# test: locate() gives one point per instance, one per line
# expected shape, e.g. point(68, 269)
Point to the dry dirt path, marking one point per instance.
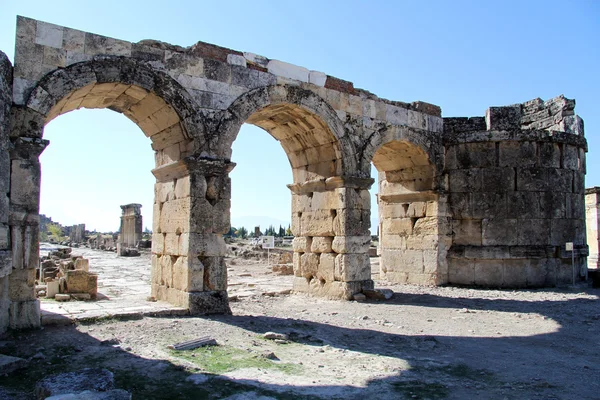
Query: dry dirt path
point(423, 343)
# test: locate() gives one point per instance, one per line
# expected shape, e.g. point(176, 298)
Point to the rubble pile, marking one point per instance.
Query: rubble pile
point(62, 273)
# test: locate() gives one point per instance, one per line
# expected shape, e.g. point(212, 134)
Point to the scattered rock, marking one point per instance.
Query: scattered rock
point(95, 379)
point(359, 297)
point(275, 336)
point(9, 364)
point(62, 297)
point(269, 355)
point(378, 294)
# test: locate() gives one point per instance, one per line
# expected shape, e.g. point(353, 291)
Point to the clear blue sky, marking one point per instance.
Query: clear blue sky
point(461, 55)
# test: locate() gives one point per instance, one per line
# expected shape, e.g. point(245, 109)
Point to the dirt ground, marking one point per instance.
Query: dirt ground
point(423, 343)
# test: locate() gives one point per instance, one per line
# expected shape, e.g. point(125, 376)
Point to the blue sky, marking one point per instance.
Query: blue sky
point(461, 55)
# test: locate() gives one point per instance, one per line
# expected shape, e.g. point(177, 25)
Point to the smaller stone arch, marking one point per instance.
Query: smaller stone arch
point(412, 231)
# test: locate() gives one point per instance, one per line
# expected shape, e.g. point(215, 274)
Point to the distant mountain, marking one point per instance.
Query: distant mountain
point(250, 221)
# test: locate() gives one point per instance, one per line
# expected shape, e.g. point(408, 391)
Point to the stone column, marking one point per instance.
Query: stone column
point(592, 216)
point(191, 213)
point(330, 222)
point(131, 225)
point(24, 231)
point(5, 254)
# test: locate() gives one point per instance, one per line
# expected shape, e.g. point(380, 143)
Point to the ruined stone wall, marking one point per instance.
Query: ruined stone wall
point(191, 102)
point(77, 233)
point(5, 254)
point(516, 196)
point(592, 216)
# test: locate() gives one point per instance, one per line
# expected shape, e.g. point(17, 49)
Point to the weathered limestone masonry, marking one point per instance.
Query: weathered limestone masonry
point(5, 250)
point(130, 232)
point(192, 101)
point(592, 204)
point(77, 233)
point(516, 195)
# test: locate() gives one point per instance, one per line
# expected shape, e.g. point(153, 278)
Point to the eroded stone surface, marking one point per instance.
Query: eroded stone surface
point(484, 200)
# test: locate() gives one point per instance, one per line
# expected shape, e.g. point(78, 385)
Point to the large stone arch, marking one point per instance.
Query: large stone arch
point(413, 230)
point(330, 203)
point(157, 103)
point(165, 113)
point(305, 125)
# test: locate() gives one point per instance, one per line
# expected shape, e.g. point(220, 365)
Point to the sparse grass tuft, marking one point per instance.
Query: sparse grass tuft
point(220, 359)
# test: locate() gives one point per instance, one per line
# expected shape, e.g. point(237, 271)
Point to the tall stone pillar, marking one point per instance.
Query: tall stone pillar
point(131, 225)
point(24, 230)
point(592, 216)
point(5, 252)
point(191, 213)
point(330, 222)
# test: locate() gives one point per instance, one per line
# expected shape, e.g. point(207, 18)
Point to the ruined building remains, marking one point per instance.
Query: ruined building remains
point(130, 232)
point(77, 233)
point(487, 200)
point(592, 203)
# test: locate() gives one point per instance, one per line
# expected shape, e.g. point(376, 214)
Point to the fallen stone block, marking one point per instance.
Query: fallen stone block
point(9, 364)
point(52, 289)
point(283, 269)
point(275, 336)
point(359, 297)
point(379, 294)
point(62, 297)
point(80, 281)
point(81, 296)
point(193, 344)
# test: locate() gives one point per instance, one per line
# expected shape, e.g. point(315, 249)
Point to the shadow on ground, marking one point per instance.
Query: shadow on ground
point(438, 366)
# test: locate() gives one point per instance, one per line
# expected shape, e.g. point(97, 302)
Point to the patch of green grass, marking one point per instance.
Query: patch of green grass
point(417, 389)
point(220, 359)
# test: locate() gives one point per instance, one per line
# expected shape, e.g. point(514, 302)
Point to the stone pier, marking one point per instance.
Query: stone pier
point(130, 232)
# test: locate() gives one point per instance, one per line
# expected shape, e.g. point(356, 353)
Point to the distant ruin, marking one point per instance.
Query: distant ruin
point(487, 200)
point(130, 232)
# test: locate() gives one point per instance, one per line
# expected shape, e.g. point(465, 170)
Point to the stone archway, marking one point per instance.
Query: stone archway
point(161, 108)
point(413, 228)
point(330, 205)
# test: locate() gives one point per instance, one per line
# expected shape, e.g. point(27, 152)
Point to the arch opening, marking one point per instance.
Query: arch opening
point(162, 110)
point(120, 155)
point(409, 219)
point(158, 120)
point(330, 218)
point(312, 149)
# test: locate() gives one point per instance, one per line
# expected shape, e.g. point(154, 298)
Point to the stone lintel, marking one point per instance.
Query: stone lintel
point(592, 190)
point(426, 195)
point(26, 148)
point(331, 183)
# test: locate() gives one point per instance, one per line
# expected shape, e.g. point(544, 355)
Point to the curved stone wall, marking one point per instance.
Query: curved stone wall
point(516, 195)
